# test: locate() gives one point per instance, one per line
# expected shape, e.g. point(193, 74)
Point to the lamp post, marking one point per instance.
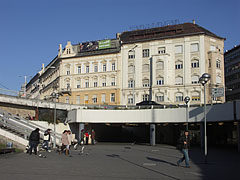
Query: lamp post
point(55, 97)
point(203, 80)
point(133, 90)
point(186, 100)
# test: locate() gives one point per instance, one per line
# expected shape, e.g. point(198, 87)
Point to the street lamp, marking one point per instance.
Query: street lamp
point(133, 90)
point(55, 96)
point(203, 80)
point(186, 100)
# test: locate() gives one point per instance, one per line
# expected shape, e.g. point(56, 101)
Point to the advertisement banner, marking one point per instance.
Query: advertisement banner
point(104, 44)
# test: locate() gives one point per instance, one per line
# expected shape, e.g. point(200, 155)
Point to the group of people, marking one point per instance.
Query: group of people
point(66, 141)
point(86, 136)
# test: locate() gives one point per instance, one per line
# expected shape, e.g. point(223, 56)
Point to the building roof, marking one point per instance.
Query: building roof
point(165, 32)
point(231, 50)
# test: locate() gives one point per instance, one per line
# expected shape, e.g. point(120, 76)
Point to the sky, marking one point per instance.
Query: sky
point(31, 30)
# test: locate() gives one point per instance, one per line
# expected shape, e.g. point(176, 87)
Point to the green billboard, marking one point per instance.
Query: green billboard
point(104, 44)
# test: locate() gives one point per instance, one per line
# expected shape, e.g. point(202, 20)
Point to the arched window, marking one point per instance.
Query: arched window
point(218, 63)
point(131, 54)
point(179, 80)
point(195, 63)
point(145, 82)
point(78, 83)
point(195, 79)
point(179, 97)
point(159, 97)
point(86, 83)
point(179, 65)
point(160, 81)
point(195, 96)
point(113, 83)
point(160, 65)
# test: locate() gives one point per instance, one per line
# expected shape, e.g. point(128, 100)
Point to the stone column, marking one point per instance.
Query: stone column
point(152, 134)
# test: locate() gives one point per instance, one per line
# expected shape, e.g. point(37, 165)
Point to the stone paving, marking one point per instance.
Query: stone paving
point(120, 162)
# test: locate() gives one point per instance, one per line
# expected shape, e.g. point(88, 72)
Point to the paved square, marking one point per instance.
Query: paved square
point(119, 162)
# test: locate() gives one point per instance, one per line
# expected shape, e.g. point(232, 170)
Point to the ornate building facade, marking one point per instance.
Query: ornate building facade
point(117, 71)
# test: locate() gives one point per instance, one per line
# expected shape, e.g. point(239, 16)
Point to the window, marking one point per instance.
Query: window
point(146, 83)
point(131, 84)
point(86, 83)
point(218, 79)
point(77, 99)
point(212, 48)
point(195, 63)
point(195, 79)
point(104, 82)
point(209, 62)
point(87, 69)
point(194, 47)
point(78, 83)
point(145, 52)
point(68, 85)
point(79, 69)
point(94, 98)
point(179, 97)
point(67, 99)
point(159, 97)
point(145, 97)
point(96, 68)
point(104, 68)
point(95, 83)
point(113, 66)
point(131, 69)
point(68, 51)
point(131, 54)
point(160, 81)
point(161, 50)
point(160, 65)
point(113, 81)
point(130, 99)
point(112, 97)
point(179, 65)
point(103, 98)
point(86, 99)
point(68, 70)
point(195, 96)
point(146, 68)
point(218, 63)
point(178, 49)
point(179, 80)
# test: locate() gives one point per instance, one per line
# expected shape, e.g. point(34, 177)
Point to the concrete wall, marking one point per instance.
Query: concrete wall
point(215, 113)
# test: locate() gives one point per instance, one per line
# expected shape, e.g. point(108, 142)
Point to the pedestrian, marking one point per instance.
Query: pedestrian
point(86, 136)
point(46, 139)
point(93, 137)
point(65, 142)
point(82, 136)
point(34, 139)
point(184, 145)
point(69, 135)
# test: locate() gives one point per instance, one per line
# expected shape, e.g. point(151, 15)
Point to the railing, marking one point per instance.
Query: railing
point(21, 127)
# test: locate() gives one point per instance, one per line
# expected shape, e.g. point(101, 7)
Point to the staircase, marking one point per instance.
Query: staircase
point(19, 129)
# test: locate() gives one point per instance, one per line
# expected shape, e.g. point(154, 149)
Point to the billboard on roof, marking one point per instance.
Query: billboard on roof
point(94, 45)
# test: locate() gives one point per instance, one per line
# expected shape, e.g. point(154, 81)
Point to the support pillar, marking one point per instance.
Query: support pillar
point(202, 135)
point(152, 134)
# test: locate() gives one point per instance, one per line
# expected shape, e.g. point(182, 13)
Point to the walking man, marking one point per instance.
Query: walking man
point(34, 141)
point(184, 144)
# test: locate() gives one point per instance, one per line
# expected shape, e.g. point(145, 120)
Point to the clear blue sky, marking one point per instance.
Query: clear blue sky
point(31, 30)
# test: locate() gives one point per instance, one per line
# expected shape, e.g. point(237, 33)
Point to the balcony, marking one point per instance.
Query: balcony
point(65, 91)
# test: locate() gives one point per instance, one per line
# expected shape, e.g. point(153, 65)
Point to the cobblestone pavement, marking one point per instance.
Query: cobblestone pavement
point(120, 162)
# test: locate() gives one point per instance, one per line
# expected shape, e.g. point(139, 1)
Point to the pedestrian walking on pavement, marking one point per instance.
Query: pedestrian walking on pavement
point(34, 139)
point(65, 143)
point(93, 137)
point(184, 145)
point(87, 137)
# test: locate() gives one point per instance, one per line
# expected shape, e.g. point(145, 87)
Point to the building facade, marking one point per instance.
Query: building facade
point(232, 73)
point(117, 71)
